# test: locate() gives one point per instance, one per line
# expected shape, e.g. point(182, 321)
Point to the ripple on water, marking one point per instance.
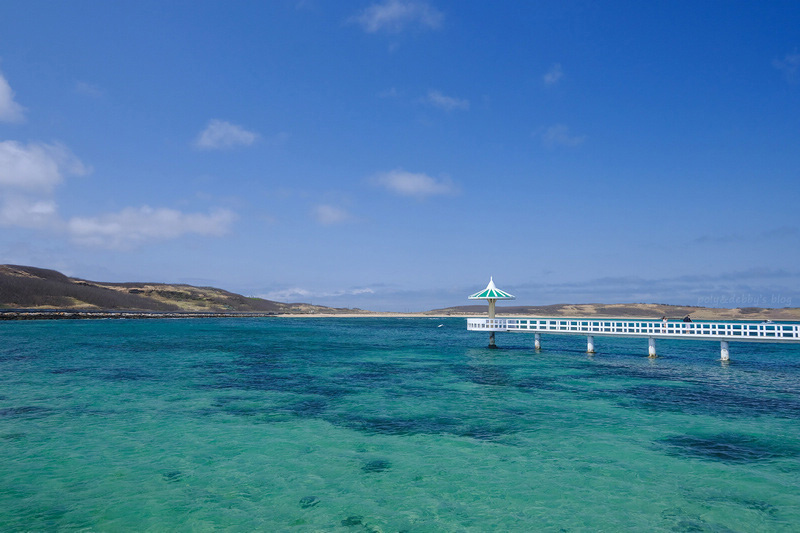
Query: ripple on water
point(307, 502)
point(485, 374)
point(26, 412)
point(700, 399)
point(478, 429)
point(376, 465)
point(728, 448)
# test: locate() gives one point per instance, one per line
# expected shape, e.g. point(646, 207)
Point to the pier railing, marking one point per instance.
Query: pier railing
point(724, 331)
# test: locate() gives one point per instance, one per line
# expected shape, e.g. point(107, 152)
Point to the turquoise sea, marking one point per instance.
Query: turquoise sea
point(371, 424)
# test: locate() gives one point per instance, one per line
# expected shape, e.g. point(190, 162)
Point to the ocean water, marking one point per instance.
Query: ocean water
point(370, 424)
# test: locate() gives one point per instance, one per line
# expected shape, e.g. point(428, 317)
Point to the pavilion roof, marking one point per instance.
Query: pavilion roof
point(492, 293)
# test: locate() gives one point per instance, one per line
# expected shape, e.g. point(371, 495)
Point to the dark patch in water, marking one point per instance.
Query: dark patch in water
point(66, 370)
point(635, 372)
point(308, 408)
point(700, 399)
point(379, 369)
point(308, 501)
point(399, 426)
point(243, 410)
point(13, 436)
point(354, 520)
point(172, 476)
point(485, 432)
point(127, 374)
point(331, 379)
point(376, 465)
point(249, 406)
point(257, 379)
point(760, 506)
point(371, 374)
point(494, 375)
point(728, 448)
point(683, 522)
point(26, 411)
point(51, 519)
point(432, 425)
point(537, 382)
point(16, 355)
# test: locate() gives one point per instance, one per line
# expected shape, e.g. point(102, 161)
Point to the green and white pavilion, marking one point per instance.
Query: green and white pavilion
point(492, 294)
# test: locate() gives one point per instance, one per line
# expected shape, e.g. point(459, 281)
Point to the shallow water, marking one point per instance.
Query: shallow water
point(367, 424)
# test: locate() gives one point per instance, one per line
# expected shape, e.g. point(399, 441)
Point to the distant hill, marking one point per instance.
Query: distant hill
point(673, 312)
point(25, 287)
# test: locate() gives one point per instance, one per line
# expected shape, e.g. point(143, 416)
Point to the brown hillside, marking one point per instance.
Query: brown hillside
point(24, 287)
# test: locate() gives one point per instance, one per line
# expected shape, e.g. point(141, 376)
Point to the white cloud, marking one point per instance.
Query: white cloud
point(559, 135)
point(414, 184)
point(10, 111)
point(87, 89)
point(389, 93)
point(789, 65)
point(286, 295)
point(25, 211)
point(298, 294)
point(133, 226)
point(553, 75)
point(220, 134)
point(448, 103)
point(36, 167)
point(393, 16)
point(328, 214)
point(28, 176)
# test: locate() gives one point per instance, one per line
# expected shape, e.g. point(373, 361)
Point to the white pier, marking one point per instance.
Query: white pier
point(724, 332)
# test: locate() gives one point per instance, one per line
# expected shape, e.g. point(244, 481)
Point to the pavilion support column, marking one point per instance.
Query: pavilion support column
point(492, 301)
point(537, 341)
point(724, 352)
point(590, 344)
point(651, 347)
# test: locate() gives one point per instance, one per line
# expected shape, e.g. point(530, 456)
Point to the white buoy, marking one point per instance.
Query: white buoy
point(590, 344)
point(537, 341)
point(651, 347)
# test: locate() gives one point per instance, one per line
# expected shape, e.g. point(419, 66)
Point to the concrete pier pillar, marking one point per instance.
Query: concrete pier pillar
point(724, 352)
point(590, 344)
point(491, 340)
point(537, 341)
point(651, 347)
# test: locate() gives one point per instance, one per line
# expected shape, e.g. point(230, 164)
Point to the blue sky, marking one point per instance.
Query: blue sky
point(393, 154)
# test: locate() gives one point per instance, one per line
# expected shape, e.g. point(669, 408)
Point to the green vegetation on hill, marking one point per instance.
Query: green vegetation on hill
point(24, 287)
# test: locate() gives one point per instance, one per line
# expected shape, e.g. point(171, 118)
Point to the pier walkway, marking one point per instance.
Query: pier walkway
point(724, 332)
